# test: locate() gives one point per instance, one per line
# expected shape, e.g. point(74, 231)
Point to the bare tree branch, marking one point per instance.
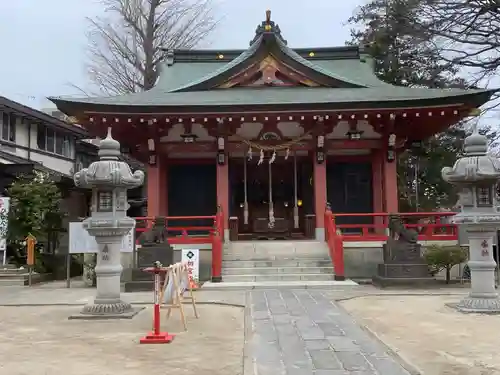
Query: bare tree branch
point(467, 32)
point(128, 43)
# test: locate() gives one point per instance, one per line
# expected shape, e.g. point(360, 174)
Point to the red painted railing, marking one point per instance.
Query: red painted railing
point(192, 235)
point(178, 234)
point(430, 226)
point(335, 245)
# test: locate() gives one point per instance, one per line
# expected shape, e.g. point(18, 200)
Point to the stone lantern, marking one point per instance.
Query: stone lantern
point(109, 178)
point(476, 175)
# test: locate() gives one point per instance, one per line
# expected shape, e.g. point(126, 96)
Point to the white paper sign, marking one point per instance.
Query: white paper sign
point(80, 241)
point(4, 211)
point(192, 258)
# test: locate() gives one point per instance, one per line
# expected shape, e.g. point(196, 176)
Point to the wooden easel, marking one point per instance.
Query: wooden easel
point(189, 288)
point(173, 275)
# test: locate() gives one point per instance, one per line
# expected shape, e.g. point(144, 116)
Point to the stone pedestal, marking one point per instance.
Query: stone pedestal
point(483, 297)
point(403, 266)
point(146, 256)
point(108, 303)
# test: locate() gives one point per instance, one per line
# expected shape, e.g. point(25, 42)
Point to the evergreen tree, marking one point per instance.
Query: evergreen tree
point(405, 56)
point(34, 209)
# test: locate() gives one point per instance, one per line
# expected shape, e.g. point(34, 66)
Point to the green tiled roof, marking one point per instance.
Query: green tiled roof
point(330, 73)
point(182, 73)
point(240, 59)
point(274, 95)
point(188, 79)
point(265, 42)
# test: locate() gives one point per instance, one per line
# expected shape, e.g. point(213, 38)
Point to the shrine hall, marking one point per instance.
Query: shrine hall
point(270, 134)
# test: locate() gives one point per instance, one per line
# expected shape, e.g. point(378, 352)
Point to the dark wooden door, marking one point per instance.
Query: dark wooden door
point(349, 190)
point(192, 191)
point(258, 190)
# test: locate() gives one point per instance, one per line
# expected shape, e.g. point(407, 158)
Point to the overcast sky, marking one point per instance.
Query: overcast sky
point(43, 42)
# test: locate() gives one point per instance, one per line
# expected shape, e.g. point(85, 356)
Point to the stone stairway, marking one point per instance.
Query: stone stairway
point(276, 261)
point(11, 275)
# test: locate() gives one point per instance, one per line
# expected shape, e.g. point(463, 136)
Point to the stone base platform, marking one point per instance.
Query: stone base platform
point(138, 286)
point(403, 274)
point(107, 316)
point(140, 281)
point(249, 285)
point(415, 282)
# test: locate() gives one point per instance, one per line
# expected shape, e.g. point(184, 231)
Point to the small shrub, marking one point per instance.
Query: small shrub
point(444, 258)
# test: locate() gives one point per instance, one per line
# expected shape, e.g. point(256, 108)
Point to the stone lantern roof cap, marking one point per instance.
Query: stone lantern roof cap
point(109, 171)
point(476, 166)
point(109, 148)
point(476, 144)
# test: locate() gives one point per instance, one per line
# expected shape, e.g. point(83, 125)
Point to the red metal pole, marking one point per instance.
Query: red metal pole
point(156, 313)
point(156, 337)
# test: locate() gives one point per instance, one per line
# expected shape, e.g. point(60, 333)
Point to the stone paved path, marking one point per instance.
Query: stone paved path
point(302, 332)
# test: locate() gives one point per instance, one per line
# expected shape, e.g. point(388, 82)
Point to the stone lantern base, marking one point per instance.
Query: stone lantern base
point(478, 305)
point(104, 311)
point(483, 297)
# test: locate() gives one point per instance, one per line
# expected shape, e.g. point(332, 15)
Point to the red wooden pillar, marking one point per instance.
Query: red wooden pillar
point(319, 178)
point(157, 188)
point(223, 194)
point(390, 184)
point(378, 188)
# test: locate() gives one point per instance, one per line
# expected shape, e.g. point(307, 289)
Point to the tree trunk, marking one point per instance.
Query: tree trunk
point(448, 269)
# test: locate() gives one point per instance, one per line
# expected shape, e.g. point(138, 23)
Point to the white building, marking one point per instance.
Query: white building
point(32, 137)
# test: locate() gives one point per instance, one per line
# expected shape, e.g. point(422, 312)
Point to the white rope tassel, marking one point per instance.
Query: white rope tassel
point(296, 199)
point(245, 190)
point(271, 206)
point(249, 153)
point(273, 157)
point(287, 153)
point(261, 158)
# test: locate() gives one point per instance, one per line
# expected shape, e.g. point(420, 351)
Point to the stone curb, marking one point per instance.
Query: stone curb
point(392, 351)
point(396, 354)
point(132, 303)
point(411, 294)
point(248, 363)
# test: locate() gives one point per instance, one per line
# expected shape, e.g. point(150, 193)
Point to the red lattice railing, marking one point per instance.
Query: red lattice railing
point(430, 226)
point(212, 232)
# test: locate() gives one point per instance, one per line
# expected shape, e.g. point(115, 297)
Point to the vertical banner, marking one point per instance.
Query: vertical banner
point(4, 213)
point(192, 258)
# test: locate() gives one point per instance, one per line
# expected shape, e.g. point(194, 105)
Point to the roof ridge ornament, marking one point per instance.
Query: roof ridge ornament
point(268, 27)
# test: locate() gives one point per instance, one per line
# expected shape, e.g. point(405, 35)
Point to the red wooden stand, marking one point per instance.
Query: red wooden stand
point(157, 337)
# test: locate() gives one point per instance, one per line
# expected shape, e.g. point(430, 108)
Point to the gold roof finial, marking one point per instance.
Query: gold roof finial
point(268, 16)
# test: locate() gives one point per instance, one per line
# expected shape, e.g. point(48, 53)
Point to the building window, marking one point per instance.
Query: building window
point(51, 141)
point(8, 128)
